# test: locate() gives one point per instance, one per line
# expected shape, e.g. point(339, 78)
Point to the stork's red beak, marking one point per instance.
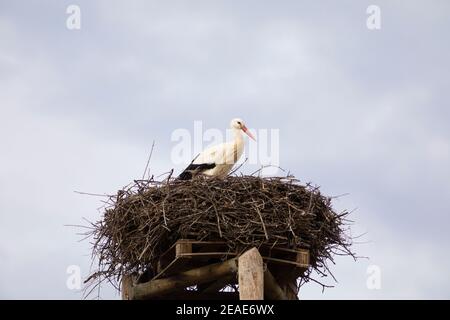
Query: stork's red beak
point(244, 128)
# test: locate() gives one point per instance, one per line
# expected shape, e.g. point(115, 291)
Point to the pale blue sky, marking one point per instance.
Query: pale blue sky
point(359, 111)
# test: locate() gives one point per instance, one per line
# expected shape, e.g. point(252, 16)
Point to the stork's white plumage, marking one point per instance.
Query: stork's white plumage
point(219, 160)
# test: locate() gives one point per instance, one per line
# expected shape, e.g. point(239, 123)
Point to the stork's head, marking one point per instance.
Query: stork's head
point(239, 124)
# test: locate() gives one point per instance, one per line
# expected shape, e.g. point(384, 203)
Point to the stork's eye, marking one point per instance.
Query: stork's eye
point(239, 122)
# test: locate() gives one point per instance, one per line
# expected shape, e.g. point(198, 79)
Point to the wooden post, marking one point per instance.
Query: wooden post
point(272, 290)
point(127, 283)
point(251, 275)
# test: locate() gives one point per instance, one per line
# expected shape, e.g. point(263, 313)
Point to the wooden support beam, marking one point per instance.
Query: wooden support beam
point(303, 258)
point(127, 283)
point(184, 279)
point(183, 247)
point(272, 290)
point(251, 275)
point(291, 290)
point(172, 267)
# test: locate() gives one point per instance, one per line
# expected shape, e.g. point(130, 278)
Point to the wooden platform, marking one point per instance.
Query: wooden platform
point(211, 266)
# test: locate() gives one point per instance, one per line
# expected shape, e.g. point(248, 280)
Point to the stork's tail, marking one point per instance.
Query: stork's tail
point(194, 169)
point(185, 175)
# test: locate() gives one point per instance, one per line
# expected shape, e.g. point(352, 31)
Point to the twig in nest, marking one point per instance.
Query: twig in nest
point(148, 161)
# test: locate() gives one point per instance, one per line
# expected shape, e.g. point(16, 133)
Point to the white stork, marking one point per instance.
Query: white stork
point(219, 160)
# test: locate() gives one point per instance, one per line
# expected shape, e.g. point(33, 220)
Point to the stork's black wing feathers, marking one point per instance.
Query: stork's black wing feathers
point(194, 169)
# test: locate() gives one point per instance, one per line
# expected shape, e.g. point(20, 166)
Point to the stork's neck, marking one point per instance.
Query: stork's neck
point(238, 138)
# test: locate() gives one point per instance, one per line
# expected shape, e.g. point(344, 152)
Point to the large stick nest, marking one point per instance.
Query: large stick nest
point(146, 218)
